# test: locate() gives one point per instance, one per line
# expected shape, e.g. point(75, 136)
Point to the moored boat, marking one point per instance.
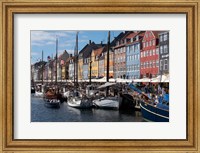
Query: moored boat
point(51, 100)
point(108, 101)
point(153, 108)
point(155, 112)
point(77, 100)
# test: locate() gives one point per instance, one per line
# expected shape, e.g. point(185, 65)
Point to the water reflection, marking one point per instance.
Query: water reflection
point(40, 113)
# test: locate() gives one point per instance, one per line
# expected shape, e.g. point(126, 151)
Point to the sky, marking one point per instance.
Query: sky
point(46, 41)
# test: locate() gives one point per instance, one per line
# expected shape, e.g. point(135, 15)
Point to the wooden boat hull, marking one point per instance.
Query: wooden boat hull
point(152, 113)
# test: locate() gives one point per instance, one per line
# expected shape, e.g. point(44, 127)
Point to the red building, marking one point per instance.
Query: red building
point(149, 56)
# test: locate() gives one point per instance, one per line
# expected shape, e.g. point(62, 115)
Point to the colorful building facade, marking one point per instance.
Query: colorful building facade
point(149, 56)
point(164, 52)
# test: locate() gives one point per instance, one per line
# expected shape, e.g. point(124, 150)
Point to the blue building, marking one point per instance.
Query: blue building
point(133, 46)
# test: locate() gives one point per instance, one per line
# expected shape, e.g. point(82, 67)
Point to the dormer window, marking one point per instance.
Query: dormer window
point(137, 38)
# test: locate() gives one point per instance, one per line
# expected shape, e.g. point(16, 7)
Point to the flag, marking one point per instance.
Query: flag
point(48, 58)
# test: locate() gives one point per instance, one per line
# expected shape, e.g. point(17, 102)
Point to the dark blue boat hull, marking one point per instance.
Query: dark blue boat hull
point(152, 113)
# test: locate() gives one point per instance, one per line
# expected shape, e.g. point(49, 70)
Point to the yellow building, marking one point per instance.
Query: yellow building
point(95, 62)
point(80, 66)
point(110, 64)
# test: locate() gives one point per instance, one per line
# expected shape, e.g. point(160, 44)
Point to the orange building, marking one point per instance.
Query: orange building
point(95, 62)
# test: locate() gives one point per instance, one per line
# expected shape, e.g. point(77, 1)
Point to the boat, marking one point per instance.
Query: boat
point(75, 98)
point(155, 112)
point(51, 100)
point(78, 101)
point(108, 101)
point(153, 109)
point(39, 91)
point(91, 91)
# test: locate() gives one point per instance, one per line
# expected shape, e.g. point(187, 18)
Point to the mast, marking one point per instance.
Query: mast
point(108, 48)
point(76, 62)
point(56, 57)
point(107, 74)
point(77, 58)
point(42, 69)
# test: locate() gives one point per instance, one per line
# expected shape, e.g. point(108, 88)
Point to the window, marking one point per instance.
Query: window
point(147, 53)
point(157, 51)
point(153, 42)
point(161, 65)
point(150, 52)
point(141, 54)
point(138, 56)
point(157, 63)
point(143, 44)
point(138, 46)
point(161, 38)
point(165, 37)
point(149, 43)
point(166, 64)
point(131, 48)
point(144, 54)
point(141, 65)
point(153, 51)
point(127, 49)
point(144, 64)
point(165, 49)
point(154, 63)
point(150, 64)
point(161, 49)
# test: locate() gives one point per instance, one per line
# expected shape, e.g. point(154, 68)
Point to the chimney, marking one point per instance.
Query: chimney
point(70, 55)
point(89, 42)
point(101, 43)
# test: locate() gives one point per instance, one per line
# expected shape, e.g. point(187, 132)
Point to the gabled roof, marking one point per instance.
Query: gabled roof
point(98, 51)
point(87, 50)
point(63, 56)
point(132, 35)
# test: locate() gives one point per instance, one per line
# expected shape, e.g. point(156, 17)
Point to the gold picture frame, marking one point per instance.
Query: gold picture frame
point(10, 7)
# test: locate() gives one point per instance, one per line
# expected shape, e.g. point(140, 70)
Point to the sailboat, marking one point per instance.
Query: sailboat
point(75, 98)
point(51, 98)
point(108, 101)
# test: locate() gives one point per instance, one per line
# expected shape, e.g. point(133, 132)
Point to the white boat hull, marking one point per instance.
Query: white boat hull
point(108, 102)
point(79, 103)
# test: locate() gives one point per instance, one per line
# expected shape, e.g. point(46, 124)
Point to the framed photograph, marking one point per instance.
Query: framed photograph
point(99, 76)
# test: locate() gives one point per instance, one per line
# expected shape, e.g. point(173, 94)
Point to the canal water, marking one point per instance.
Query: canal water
point(40, 113)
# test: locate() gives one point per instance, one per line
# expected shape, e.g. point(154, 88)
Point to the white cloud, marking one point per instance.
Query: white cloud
point(42, 38)
point(34, 53)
